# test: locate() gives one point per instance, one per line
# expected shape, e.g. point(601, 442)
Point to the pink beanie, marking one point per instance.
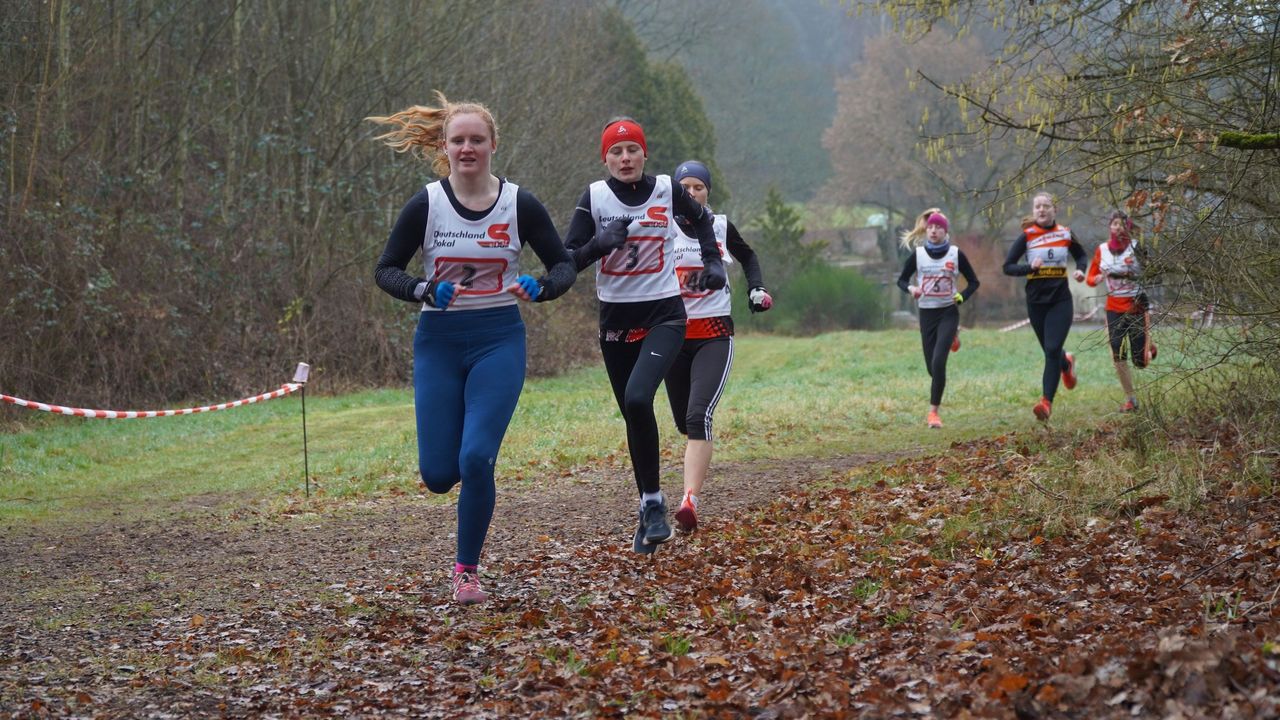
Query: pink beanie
point(938, 219)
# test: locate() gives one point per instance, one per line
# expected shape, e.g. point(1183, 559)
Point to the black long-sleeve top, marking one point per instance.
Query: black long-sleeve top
point(582, 229)
point(532, 222)
point(1043, 291)
point(966, 269)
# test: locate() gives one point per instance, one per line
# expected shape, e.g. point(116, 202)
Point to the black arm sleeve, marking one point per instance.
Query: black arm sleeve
point(743, 253)
point(582, 230)
point(539, 232)
point(1077, 252)
point(404, 242)
point(970, 277)
point(908, 269)
point(683, 204)
point(1016, 251)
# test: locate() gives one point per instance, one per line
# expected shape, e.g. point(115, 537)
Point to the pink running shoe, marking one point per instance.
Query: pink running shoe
point(687, 515)
point(466, 589)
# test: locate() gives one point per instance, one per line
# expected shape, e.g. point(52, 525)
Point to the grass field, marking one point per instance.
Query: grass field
point(834, 394)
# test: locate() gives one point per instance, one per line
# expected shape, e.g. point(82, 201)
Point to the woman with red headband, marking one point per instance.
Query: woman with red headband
point(625, 225)
point(1128, 318)
point(936, 263)
point(701, 370)
point(1048, 248)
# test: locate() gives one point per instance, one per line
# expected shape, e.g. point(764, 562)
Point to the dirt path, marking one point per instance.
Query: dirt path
point(71, 591)
point(891, 597)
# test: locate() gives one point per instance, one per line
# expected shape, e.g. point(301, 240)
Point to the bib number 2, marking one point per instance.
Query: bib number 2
point(473, 276)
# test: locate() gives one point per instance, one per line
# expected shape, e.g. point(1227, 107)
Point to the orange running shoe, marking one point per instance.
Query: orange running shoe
point(1042, 409)
point(934, 421)
point(1069, 372)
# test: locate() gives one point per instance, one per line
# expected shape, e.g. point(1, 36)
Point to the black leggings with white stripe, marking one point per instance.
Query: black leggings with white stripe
point(695, 383)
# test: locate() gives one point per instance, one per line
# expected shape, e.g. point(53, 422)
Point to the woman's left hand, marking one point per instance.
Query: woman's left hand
point(526, 288)
point(1078, 275)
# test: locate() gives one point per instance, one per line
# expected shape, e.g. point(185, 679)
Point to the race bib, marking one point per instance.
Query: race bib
point(641, 255)
point(472, 276)
point(938, 285)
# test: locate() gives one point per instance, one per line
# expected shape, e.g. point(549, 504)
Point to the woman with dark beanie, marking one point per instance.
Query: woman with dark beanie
point(936, 263)
point(701, 370)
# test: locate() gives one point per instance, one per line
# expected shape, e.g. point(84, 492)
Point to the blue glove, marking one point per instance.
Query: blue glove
point(713, 276)
point(529, 286)
point(440, 293)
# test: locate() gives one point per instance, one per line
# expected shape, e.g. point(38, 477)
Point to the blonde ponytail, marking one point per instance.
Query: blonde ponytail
point(912, 237)
point(420, 129)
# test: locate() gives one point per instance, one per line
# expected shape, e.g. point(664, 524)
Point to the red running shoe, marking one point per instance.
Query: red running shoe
point(955, 342)
point(1069, 372)
point(1129, 406)
point(687, 515)
point(934, 420)
point(1042, 409)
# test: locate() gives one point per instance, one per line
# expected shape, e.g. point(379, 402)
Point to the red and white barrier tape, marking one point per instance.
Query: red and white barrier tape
point(285, 389)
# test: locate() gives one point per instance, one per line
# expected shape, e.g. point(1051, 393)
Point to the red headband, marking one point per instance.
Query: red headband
point(621, 131)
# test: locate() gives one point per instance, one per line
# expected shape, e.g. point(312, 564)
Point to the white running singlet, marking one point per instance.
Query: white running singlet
point(687, 254)
point(642, 268)
point(1125, 262)
point(937, 277)
point(477, 256)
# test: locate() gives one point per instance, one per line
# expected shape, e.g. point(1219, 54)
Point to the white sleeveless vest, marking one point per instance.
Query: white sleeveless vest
point(1053, 247)
point(1125, 262)
point(477, 256)
point(687, 256)
point(642, 268)
point(937, 277)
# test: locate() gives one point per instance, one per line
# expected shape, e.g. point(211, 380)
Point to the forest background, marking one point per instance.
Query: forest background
point(193, 201)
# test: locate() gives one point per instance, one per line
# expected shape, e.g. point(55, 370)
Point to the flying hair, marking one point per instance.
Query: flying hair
point(912, 237)
point(420, 129)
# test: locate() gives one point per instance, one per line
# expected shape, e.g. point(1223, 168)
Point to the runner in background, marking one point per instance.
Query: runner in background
point(701, 369)
point(936, 263)
point(469, 348)
point(1048, 248)
point(625, 225)
point(1116, 263)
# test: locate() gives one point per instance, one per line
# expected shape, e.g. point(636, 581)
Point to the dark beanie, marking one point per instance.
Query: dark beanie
point(693, 169)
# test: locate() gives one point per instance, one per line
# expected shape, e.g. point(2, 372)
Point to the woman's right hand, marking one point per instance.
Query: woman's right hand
point(915, 291)
point(1036, 263)
point(613, 236)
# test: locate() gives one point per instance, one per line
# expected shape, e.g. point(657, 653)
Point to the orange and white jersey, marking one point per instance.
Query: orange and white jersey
point(937, 277)
point(1124, 263)
point(477, 256)
point(687, 255)
point(642, 269)
point(1051, 245)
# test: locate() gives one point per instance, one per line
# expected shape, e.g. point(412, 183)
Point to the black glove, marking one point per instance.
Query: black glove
point(712, 276)
point(612, 237)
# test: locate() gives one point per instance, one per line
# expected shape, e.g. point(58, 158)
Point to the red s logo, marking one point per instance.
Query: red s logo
point(499, 232)
point(658, 213)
